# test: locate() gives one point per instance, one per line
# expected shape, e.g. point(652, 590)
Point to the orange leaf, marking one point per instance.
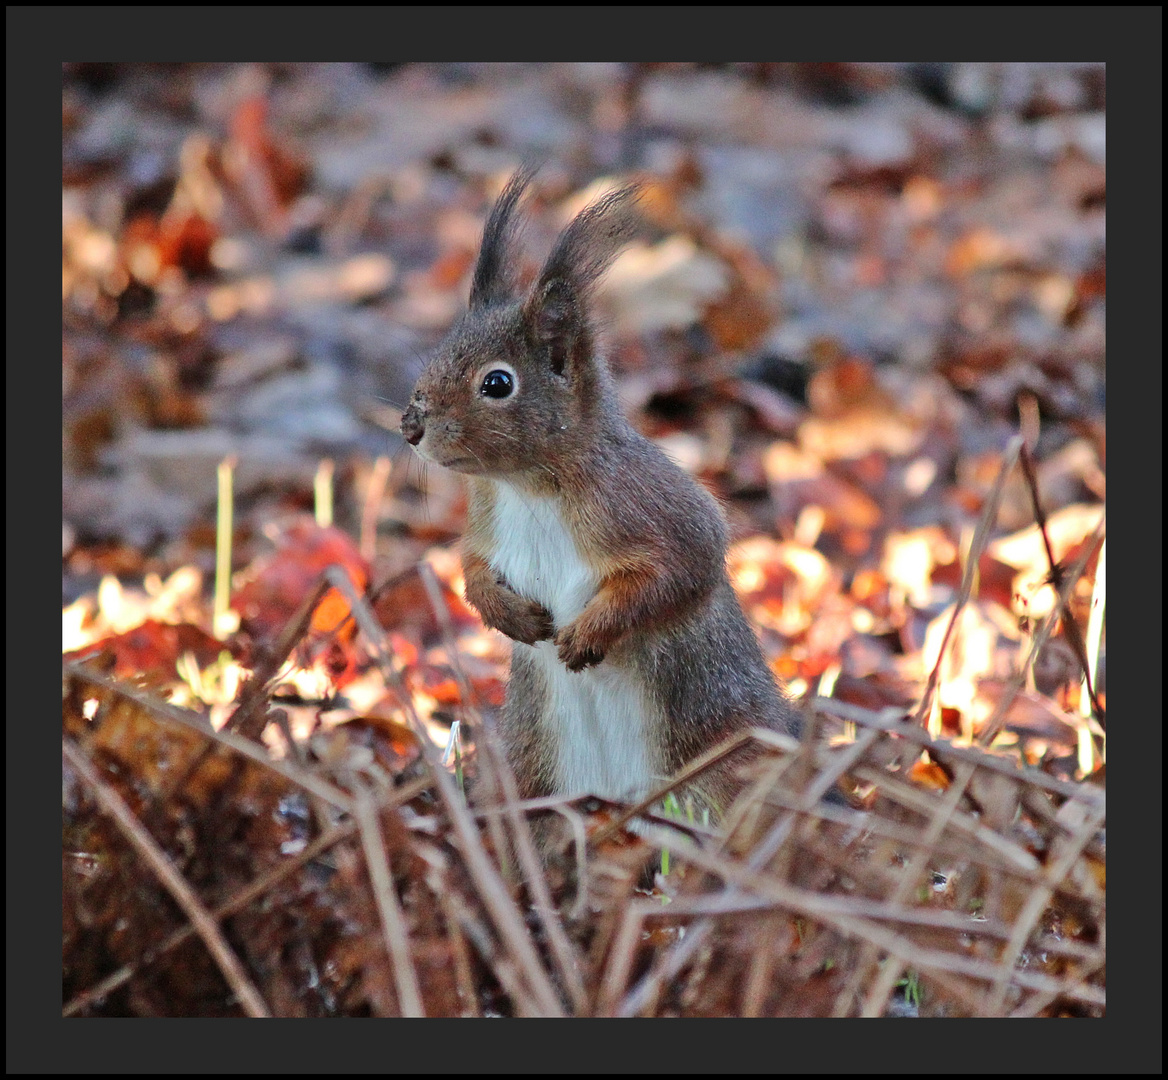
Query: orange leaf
point(929, 775)
point(153, 648)
point(304, 552)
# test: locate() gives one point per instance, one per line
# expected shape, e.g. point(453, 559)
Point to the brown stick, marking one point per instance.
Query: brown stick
point(1036, 903)
point(699, 765)
point(565, 957)
point(881, 990)
point(885, 719)
point(242, 719)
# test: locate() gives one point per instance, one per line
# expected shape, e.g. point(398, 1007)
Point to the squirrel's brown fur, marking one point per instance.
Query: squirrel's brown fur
point(600, 558)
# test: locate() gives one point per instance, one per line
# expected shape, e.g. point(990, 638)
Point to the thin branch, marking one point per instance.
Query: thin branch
point(877, 998)
point(464, 978)
point(1042, 998)
point(499, 961)
point(466, 696)
point(885, 719)
point(823, 908)
point(1037, 901)
point(564, 955)
point(682, 776)
point(243, 718)
point(620, 961)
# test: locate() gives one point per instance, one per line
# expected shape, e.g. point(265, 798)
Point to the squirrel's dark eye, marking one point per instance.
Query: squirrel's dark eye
point(498, 384)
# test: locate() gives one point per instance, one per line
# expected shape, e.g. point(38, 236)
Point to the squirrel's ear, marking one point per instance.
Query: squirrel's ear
point(494, 271)
point(557, 308)
point(558, 321)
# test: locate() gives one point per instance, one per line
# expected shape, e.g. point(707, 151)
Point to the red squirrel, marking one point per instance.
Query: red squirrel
point(585, 544)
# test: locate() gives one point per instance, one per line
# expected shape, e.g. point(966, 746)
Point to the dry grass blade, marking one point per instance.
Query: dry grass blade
point(758, 976)
point(977, 546)
point(694, 768)
point(174, 883)
point(620, 963)
point(859, 906)
point(995, 849)
point(835, 912)
point(499, 962)
point(446, 628)
point(761, 854)
point(881, 991)
point(670, 964)
point(885, 721)
point(249, 717)
point(563, 954)
point(244, 719)
point(1039, 1000)
point(783, 802)
point(466, 696)
point(462, 969)
point(506, 917)
point(392, 924)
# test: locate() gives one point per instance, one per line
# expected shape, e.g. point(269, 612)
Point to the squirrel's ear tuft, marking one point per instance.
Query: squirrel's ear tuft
point(592, 239)
point(557, 308)
point(494, 272)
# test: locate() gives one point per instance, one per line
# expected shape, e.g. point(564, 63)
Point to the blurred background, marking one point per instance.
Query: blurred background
point(853, 285)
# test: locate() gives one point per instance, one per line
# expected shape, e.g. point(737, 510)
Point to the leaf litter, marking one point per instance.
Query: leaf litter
point(308, 816)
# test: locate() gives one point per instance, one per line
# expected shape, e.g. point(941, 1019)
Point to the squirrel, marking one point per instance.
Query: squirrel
point(600, 558)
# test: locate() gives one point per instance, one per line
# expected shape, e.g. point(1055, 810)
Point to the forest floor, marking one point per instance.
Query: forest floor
point(866, 309)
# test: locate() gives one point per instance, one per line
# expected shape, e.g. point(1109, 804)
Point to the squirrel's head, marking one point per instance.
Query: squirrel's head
point(517, 384)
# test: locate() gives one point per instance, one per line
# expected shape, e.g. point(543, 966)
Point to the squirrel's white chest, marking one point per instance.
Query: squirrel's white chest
point(537, 555)
point(600, 719)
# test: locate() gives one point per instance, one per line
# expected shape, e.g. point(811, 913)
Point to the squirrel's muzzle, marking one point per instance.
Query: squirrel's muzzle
point(412, 427)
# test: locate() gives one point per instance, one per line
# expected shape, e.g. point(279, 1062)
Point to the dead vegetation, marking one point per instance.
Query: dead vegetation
point(351, 879)
point(868, 312)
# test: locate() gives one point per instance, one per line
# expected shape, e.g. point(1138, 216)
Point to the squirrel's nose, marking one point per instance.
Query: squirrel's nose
point(412, 428)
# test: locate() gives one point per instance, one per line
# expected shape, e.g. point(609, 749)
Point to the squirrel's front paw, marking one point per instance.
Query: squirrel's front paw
point(527, 621)
point(576, 650)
